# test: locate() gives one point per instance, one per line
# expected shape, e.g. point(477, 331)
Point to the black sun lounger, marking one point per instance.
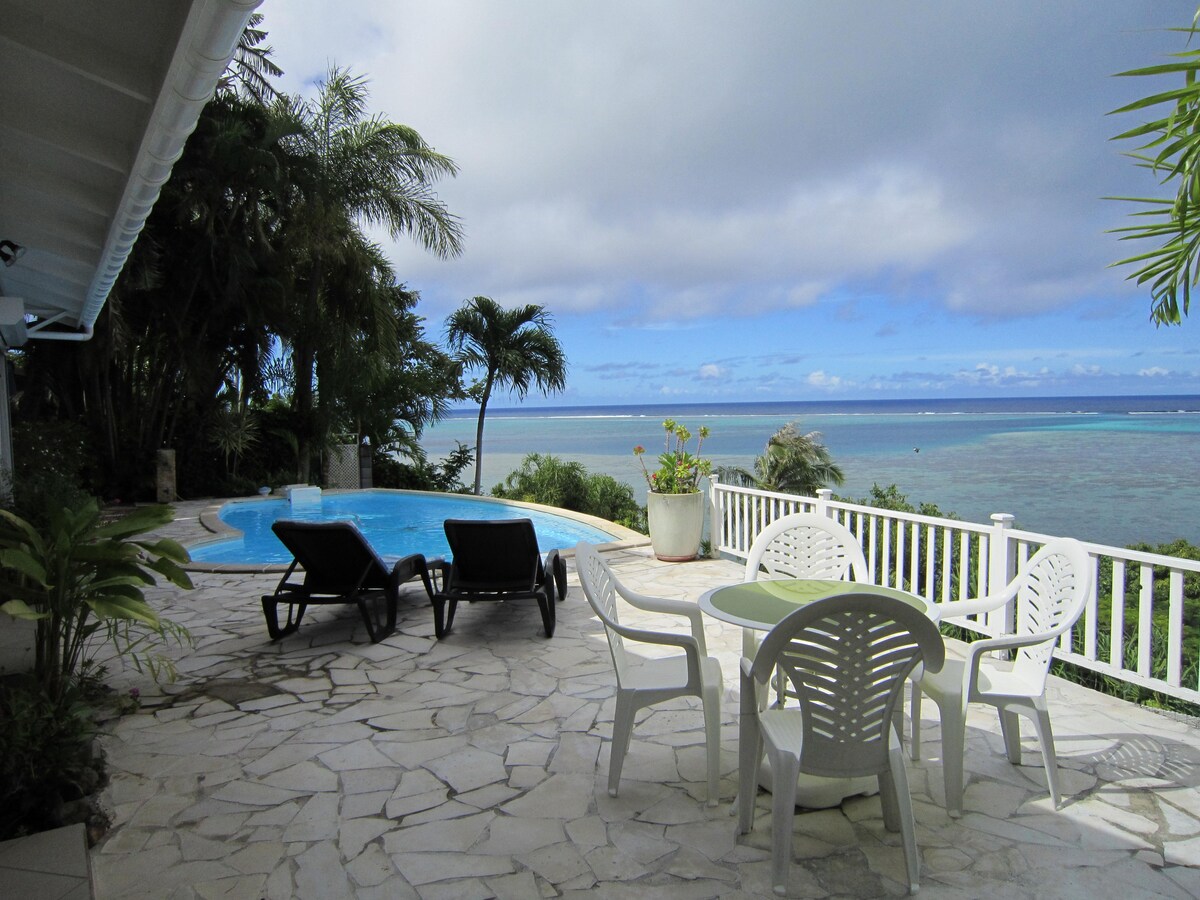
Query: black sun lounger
point(496, 560)
point(339, 567)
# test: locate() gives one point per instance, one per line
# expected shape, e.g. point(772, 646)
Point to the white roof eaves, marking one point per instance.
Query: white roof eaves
point(206, 45)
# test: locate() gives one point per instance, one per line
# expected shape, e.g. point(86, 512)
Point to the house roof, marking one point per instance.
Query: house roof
point(98, 100)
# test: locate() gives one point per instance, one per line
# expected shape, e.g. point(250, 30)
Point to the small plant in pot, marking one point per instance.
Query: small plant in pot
point(675, 504)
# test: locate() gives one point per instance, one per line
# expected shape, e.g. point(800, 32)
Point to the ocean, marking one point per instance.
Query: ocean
point(1115, 470)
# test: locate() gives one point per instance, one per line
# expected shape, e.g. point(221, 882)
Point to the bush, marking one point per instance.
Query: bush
point(420, 474)
point(46, 756)
point(568, 485)
point(52, 468)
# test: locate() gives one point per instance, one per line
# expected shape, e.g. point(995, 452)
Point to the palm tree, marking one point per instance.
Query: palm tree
point(792, 463)
point(350, 169)
point(516, 348)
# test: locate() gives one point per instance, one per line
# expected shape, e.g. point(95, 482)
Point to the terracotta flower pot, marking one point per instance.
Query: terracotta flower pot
point(676, 522)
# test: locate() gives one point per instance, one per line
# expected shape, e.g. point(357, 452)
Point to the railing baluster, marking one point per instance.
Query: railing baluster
point(1175, 629)
point(1145, 624)
point(1116, 628)
point(1092, 614)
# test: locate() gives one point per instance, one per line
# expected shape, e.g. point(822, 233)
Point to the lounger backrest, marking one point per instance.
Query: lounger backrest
point(493, 556)
point(334, 555)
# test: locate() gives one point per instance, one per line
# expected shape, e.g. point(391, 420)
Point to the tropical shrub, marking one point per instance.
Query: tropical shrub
point(80, 579)
point(791, 463)
point(567, 484)
point(419, 474)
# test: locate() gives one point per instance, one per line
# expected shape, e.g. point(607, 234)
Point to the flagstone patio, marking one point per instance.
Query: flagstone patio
point(325, 767)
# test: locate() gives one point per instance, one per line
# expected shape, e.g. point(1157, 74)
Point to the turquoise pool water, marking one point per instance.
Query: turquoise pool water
point(395, 524)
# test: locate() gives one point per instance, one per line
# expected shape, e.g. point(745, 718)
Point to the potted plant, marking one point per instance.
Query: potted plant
point(675, 504)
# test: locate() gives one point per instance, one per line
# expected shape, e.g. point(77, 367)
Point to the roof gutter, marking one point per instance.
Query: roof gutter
point(209, 39)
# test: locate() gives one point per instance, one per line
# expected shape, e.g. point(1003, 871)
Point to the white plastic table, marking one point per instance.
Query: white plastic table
point(759, 606)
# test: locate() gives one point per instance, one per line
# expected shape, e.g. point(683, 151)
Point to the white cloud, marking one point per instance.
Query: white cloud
point(713, 371)
point(792, 167)
point(1153, 372)
point(823, 380)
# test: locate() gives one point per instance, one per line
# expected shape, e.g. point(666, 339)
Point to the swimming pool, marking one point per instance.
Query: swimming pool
point(396, 523)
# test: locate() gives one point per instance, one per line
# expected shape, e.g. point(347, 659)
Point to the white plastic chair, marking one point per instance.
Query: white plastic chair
point(847, 658)
point(803, 545)
point(1050, 593)
point(806, 545)
point(643, 682)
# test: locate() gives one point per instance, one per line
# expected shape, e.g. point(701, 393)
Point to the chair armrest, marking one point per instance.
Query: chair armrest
point(646, 636)
point(692, 648)
point(976, 649)
point(687, 610)
point(986, 603)
point(413, 566)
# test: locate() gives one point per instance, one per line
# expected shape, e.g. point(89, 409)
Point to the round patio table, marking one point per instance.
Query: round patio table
point(759, 606)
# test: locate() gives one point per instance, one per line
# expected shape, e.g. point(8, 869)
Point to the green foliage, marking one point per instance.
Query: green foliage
point(53, 464)
point(235, 432)
point(1171, 151)
point(81, 578)
point(679, 471)
point(46, 755)
point(350, 170)
point(419, 474)
point(566, 484)
point(792, 463)
point(253, 273)
point(890, 498)
point(515, 348)
point(1161, 608)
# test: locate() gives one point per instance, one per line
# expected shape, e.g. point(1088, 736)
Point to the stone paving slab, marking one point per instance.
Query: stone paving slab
point(322, 766)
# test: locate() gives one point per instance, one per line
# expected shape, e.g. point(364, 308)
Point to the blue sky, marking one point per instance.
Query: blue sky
point(725, 201)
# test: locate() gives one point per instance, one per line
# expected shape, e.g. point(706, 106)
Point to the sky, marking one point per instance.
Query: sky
point(751, 201)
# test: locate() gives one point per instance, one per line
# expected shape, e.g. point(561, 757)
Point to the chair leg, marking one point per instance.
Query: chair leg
point(896, 784)
point(558, 568)
point(914, 707)
point(545, 602)
point(441, 626)
point(1010, 730)
point(711, 700)
point(622, 731)
point(377, 630)
point(953, 712)
point(295, 613)
point(750, 751)
point(1041, 722)
point(785, 768)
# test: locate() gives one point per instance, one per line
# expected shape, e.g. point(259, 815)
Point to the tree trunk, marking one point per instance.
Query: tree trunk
point(483, 402)
point(303, 365)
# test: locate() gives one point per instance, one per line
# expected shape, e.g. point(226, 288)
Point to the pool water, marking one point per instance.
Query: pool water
point(396, 524)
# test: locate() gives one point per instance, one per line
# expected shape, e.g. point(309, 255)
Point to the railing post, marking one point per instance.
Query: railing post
point(824, 495)
point(716, 526)
point(1001, 569)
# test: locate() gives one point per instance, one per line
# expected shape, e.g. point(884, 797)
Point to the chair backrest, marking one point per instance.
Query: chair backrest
point(1052, 589)
point(600, 586)
point(335, 556)
point(806, 545)
point(847, 658)
point(495, 555)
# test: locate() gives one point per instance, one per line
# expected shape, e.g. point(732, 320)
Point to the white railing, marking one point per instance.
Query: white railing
point(946, 559)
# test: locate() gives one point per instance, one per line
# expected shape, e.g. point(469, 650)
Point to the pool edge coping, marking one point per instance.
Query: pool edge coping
point(210, 519)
